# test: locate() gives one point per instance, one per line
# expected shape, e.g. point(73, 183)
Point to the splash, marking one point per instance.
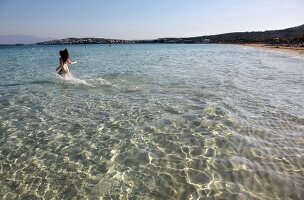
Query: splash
point(69, 78)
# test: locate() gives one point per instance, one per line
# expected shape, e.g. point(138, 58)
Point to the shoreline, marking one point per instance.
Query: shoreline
point(295, 51)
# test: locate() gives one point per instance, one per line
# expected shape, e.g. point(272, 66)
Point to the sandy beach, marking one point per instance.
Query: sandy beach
point(296, 51)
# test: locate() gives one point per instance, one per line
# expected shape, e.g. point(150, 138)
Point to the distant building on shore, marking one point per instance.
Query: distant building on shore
point(206, 41)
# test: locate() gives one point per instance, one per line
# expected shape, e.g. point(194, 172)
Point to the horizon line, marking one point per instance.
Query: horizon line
point(55, 38)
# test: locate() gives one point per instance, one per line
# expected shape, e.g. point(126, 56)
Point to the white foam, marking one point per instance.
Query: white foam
point(102, 81)
point(69, 78)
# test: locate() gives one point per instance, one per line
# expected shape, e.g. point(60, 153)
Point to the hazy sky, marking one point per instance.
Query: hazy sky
point(145, 19)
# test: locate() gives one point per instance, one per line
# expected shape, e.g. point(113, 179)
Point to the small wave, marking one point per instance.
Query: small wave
point(38, 82)
point(101, 81)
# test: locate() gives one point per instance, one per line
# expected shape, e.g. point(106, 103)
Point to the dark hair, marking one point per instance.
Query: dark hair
point(64, 55)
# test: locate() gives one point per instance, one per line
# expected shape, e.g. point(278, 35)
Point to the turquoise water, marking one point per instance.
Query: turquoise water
point(151, 122)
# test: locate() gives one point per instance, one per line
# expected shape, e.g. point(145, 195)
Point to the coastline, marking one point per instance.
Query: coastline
point(295, 51)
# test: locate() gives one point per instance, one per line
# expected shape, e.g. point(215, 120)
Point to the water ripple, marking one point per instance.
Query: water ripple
point(153, 122)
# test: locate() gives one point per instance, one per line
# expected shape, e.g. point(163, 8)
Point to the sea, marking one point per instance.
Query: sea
point(151, 121)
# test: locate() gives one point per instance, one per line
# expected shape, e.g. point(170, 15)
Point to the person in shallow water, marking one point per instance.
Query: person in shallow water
point(64, 60)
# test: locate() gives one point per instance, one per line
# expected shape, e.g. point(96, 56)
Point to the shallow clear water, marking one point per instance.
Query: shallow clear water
point(151, 122)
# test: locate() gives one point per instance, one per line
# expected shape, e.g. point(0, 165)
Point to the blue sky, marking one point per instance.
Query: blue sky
point(145, 19)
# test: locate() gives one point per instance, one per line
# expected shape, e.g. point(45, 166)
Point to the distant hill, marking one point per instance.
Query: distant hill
point(289, 37)
point(84, 41)
point(22, 39)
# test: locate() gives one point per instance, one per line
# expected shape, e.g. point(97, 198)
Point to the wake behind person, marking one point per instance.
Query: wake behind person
point(64, 60)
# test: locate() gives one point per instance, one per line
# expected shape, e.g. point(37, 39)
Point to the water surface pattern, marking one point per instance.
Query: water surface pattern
point(151, 122)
